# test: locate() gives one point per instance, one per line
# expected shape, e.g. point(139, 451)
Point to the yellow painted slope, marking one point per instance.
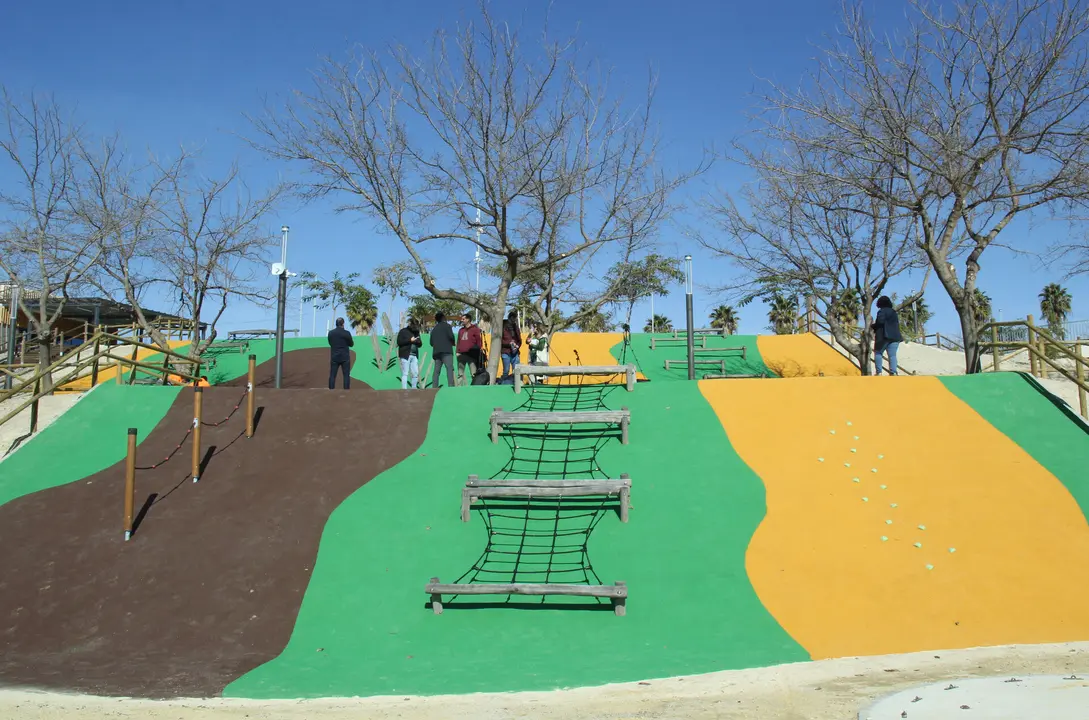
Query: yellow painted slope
point(586, 349)
point(110, 374)
point(802, 356)
point(1008, 545)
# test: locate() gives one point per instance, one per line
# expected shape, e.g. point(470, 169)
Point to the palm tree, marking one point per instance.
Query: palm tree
point(724, 318)
point(782, 312)
point(361, 309)
point(658, 323)
point(1055, 303)
point(846, 309)
point(981, 307)
point(594, 322)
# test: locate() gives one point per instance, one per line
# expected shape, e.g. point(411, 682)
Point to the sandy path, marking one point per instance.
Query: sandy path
point(50, 408)
point(825, 690)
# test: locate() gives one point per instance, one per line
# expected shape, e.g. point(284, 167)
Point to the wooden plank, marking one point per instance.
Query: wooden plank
point(525, 492)
point(699, 341)
point(705, 351)
point(726, 376)
point(473, 482)
point(697, 362)
point(618, 590)
point(567, 417)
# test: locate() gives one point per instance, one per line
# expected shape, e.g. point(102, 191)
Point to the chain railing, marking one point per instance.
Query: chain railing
point(1006, 340)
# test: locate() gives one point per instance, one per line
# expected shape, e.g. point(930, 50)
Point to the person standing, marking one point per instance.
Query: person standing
point(408, 350)
point(887, 337)
point(510, 345)
point(470, 344)
point(538, 349)
point(442, 350)
point(340, 358)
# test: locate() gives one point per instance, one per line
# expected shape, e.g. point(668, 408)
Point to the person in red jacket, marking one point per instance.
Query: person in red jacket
point(470, 346)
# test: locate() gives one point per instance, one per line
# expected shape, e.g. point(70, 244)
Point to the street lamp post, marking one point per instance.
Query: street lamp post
point(688, 316)
point(280, 269)
point(12, 330)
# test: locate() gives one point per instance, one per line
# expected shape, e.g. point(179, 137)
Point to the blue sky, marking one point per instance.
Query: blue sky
point(172, 73)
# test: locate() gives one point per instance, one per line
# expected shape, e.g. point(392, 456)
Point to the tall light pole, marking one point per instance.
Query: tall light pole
point(280, 269)
point(476, 261)
point(688, 316)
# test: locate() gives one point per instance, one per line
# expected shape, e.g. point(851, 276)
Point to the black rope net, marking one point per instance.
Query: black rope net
point(544, 539)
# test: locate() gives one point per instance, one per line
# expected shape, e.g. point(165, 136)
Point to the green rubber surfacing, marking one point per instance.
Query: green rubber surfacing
point(365, 626)
point(86, 439)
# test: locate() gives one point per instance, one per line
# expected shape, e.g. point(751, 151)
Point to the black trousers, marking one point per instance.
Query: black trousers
point(343, 366)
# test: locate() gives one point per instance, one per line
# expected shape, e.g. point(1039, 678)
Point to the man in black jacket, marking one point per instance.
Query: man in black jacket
point(408, 350)
point(442, 349)
point(340, 357)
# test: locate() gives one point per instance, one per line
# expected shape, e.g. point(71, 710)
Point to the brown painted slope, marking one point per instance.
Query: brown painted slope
point(307, 368)
point(210, 585)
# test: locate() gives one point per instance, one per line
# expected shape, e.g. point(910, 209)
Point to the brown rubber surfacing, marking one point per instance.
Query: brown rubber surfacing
point(211, 583)
point(307, 368)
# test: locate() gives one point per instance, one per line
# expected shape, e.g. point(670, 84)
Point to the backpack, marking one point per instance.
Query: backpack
point(481, 378)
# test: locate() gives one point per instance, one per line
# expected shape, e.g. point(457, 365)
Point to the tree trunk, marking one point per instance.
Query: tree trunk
point(496, 338)
point(45, 358)
point(970, 334)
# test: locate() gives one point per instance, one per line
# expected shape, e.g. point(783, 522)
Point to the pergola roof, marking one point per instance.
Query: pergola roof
point(110, 312)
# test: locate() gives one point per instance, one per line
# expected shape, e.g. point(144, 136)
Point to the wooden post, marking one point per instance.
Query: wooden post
point(994, 349)
point(34, 407)
point(1080, 373)
point(625, 497)
point(517, 383)
point(94, 362)
point(620, 603)
point(630, 373)
point(495, 427)
point(250, 400)
point(436, 599)
point(130, 483)
point(1032, 346)
point(198, 405)
point(624, 428)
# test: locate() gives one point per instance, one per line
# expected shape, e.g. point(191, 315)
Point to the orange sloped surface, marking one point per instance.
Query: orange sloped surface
point(110, 373)
point(898, 520)
point(803, 355)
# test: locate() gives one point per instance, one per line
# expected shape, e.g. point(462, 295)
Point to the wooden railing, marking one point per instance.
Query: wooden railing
point(811, 323)
point(1004, 342)
point(71, 366)
point(942, 342)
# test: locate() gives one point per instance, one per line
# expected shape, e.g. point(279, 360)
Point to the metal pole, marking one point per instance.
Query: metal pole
point(198, 412)
point(251, 389)
point(12, 331)
point(688, 316)
point(476, 261)
point(281, 308)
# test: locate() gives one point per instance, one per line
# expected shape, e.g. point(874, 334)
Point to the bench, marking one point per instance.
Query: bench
point(697, 341)
point(697, 363)
point(559, 370)
point(476, 488)
point(619, 417)
point(242, 346)
point(742, 349)
point(618, 592)
point(700, 331)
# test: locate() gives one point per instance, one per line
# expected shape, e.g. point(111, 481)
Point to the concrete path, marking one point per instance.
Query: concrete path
point(1055, 697)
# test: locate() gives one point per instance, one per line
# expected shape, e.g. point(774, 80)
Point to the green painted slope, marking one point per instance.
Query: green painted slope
point(364, 627)
point(652, 362)
point(1012, 404)
point(89, 437)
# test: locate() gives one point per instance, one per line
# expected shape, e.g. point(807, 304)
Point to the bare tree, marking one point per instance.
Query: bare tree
point(120, 202)
point(980, 109)
point(43, 247)
point(813, 237)
point(563, 177)
point(211, 245)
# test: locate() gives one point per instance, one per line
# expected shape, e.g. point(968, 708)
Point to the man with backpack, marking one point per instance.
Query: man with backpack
point(470, 347)
point(408, 350)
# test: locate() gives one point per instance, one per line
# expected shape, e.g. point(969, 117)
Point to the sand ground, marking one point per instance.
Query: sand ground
point(825, 690)
point(49, 409)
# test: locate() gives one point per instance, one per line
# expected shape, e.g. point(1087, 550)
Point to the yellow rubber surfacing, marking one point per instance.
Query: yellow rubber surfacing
point(860, 470)
point(803, 355)
point(586, 349)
